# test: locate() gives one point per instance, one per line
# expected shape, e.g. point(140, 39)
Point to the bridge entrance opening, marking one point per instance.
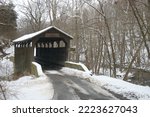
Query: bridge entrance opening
point(51, 53)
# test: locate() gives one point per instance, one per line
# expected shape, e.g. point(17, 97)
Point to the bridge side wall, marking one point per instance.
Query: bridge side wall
point(23, 59)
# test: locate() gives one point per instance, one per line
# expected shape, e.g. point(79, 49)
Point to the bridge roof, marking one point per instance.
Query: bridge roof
point(32, 35)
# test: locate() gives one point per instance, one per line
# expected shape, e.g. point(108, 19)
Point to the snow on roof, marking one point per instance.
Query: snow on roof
point(29, 36)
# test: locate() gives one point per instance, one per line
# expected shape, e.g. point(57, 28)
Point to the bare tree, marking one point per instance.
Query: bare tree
point(141, 24)
point(2, 92)
point(34, 12)
point(52, 10)
point(103, 14)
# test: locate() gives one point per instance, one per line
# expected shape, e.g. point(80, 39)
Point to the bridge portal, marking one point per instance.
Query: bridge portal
point(49, 47)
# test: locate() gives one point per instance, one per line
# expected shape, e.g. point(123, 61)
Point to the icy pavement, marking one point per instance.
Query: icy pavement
point(73, 88)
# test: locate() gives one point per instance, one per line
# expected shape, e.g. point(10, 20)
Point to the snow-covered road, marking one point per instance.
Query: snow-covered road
point(74, 88)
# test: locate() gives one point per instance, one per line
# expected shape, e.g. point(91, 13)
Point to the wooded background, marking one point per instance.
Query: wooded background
point(108, 34)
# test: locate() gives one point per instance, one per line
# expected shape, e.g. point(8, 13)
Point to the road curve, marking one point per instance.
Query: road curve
point(74, 88)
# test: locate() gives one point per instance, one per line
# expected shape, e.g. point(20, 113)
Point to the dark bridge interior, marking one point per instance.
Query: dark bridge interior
point(51, 52)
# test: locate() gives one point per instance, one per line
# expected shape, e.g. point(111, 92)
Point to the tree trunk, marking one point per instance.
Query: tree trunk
point(138, 18)
point(133, 59)
point(112, 48)
point(109, 57)
point(3, 93)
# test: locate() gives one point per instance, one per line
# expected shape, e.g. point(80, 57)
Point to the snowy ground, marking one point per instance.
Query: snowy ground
point(29, 87)
point(128, 90)
point(6, 68)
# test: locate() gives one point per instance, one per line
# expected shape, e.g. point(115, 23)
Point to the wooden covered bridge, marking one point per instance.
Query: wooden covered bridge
point(49, 47)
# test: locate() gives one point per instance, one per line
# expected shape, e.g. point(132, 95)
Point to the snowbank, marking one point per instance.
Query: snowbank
point(78, 66)
point(29, 88)
point(126, 89)
point(75, 72)
point(39, 69)
point(9, 51)
point(6, 68)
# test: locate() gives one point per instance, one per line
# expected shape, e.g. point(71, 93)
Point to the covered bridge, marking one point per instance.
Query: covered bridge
point(49, 47)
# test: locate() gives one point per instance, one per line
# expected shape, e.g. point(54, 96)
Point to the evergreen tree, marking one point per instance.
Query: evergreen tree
point(8, 21)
